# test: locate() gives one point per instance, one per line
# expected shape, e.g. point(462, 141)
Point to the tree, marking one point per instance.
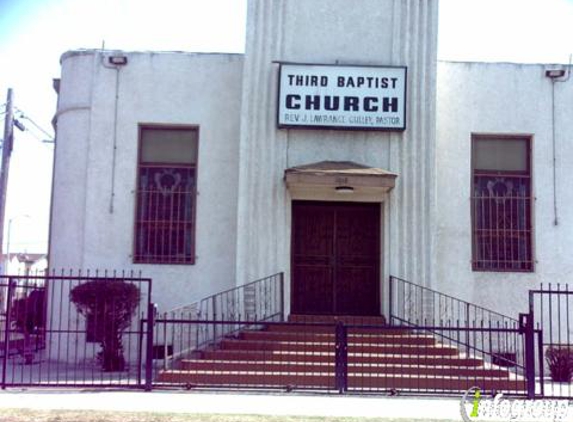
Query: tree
point(109, 305)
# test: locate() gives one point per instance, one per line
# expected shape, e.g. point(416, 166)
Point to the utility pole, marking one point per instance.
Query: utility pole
point(5, 166)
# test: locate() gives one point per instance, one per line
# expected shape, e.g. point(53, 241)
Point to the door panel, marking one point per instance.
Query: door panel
point(357, 256)
point(335, 258)
point(313, 231)
point(310, 294)
point(355, 291)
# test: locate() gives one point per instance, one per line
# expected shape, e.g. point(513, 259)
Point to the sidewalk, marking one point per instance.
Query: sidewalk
point(284, 404)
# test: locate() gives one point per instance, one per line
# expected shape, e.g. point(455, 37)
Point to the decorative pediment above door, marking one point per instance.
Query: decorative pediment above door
point(346, 178)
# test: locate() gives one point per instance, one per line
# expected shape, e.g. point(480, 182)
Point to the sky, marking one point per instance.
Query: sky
point(34, 34)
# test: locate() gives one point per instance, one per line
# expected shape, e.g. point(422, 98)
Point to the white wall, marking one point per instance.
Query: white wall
point(93, 212)
point(502, 99)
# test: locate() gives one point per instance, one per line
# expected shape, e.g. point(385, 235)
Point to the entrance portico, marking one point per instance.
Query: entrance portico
point(336, 237)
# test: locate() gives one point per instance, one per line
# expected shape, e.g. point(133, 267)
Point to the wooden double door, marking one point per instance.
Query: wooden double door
point(335, 258)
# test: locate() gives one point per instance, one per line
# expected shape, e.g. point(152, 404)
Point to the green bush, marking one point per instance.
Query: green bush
point(109, 304)
point(560, 361)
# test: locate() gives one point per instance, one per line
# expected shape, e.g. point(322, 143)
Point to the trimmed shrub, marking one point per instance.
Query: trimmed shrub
point(560, 361)
point(109, 305)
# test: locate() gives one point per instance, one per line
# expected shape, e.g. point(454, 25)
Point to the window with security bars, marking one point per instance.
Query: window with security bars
point(165, 214)
point(501, 204)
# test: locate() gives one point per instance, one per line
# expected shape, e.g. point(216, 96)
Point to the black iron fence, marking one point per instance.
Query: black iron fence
point(102, 330)
point(344, 357)
point(547, 329)
point(73, 330)
point(260, 300)
point(550, 309)
point(413, 305)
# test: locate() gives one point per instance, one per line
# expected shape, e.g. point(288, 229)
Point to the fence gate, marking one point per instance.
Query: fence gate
point(549, 310)
point(66, 330)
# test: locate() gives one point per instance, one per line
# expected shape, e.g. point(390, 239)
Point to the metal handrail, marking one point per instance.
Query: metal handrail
point(417, 304)
point(270, 288)
point(257, 301)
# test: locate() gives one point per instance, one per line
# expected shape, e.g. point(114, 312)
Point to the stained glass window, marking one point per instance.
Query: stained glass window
point(164, 228)
point(501, 204)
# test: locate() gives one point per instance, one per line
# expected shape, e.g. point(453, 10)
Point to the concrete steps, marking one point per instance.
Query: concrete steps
point(364, 368)
point(326, 347)
point(376, 338)
point(360, 359)
point(298, 356)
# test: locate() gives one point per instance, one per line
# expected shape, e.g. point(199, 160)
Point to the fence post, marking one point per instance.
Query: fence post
point(151, 308)
point(341, 357)
point(526, 327)
point(467, 314)
point(282, 295)
point(467, 325)
point(214, 310)
point(7, 324)
point(540, 357)
point(140, 351)
point(390, 310)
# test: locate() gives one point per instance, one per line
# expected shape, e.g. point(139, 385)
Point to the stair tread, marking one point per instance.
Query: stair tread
point(381, 365)
point(278, 333)
point(294, 317)
point(329, 373)
point(296, 341)
point(322, 353)
point(242, 341)
point(331, 354)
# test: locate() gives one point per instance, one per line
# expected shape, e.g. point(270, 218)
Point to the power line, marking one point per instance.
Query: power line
point(40, 139)
point(25, 116)
point(32, 133)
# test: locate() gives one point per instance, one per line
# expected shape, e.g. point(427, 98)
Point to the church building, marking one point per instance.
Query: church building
point(337, 150)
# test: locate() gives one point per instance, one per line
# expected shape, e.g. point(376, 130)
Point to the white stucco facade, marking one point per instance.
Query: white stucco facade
point(243, 215)
point(170, 89)
point(503, 99)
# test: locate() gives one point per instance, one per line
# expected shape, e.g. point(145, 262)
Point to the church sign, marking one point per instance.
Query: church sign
point(342, 97)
